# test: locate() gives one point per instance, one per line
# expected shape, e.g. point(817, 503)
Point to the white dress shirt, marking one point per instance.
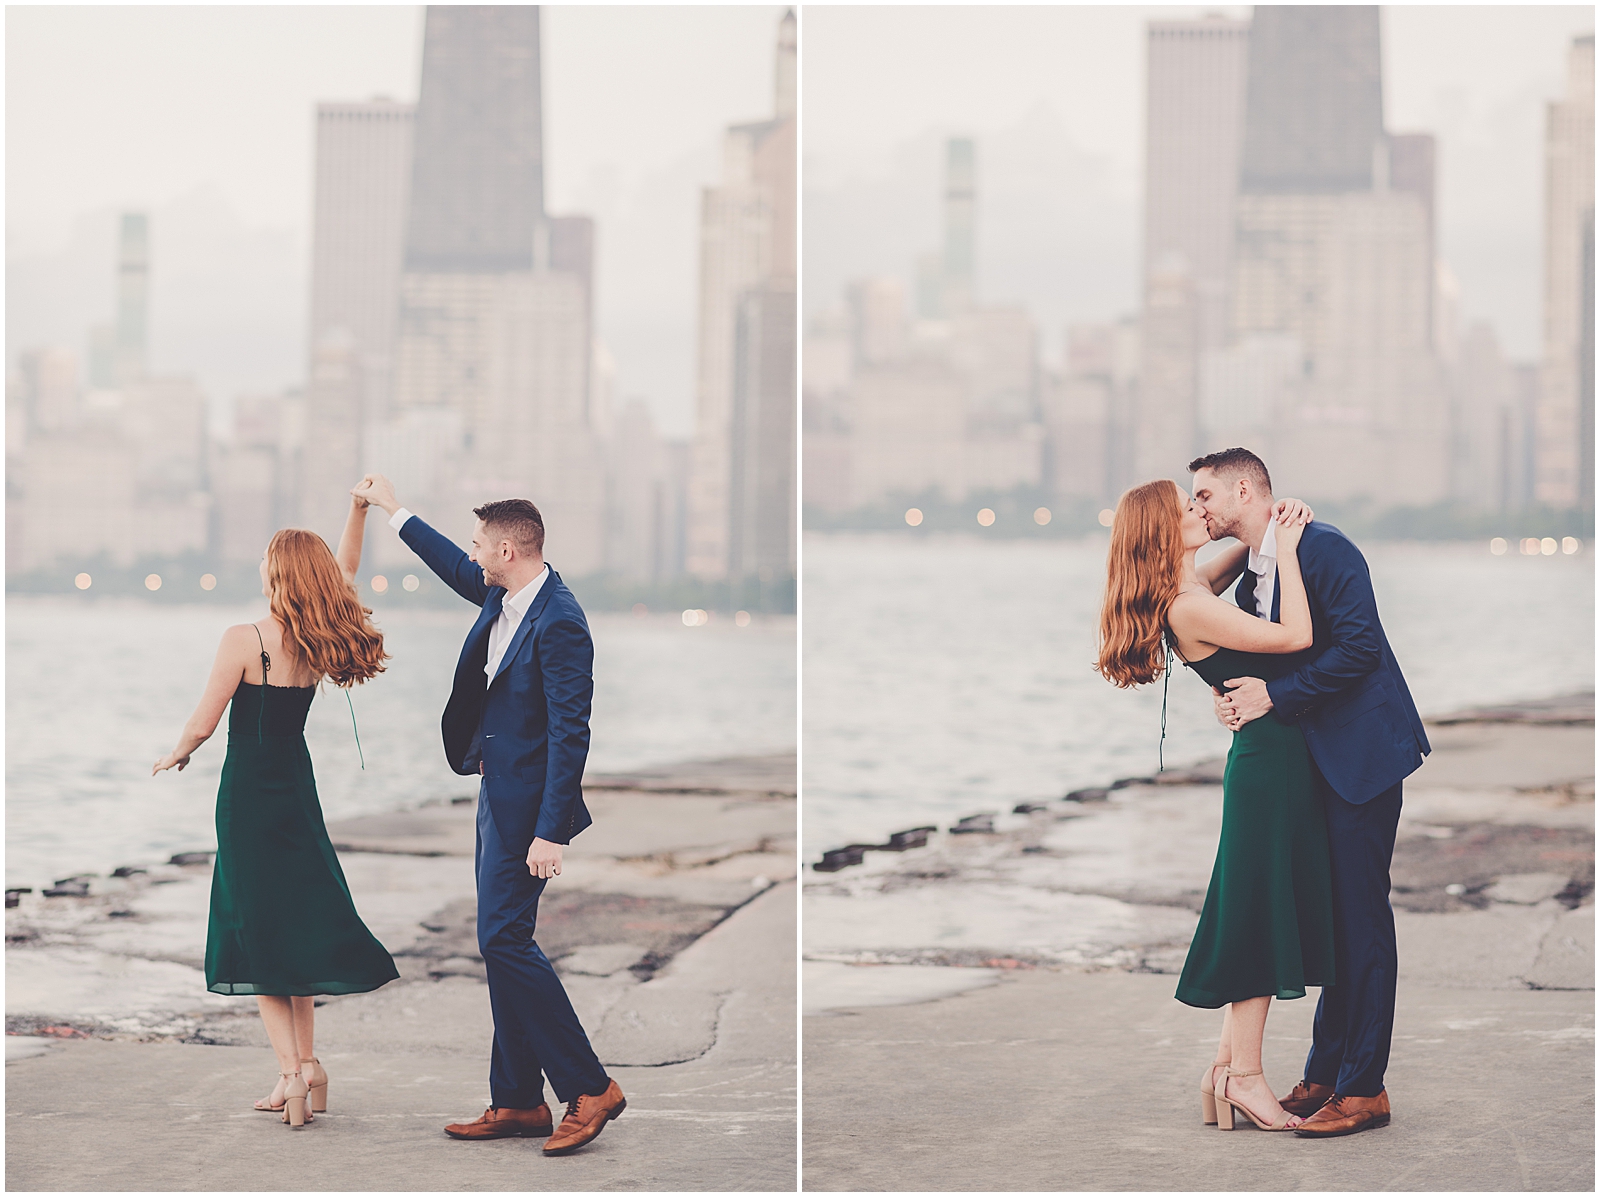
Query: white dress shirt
point(1264, 564)
point(512, 608)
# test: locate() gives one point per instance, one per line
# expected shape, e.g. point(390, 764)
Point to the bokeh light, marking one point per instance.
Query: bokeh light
point(379, 583)
point(411, 582)
point(985, 516)
point(208, 581)
point(1041, 516)
point(1497, 546)
point(913, 516)
point(83, 581)
point(152, 582)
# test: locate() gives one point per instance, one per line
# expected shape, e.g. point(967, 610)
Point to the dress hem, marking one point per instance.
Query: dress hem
point(312, 989)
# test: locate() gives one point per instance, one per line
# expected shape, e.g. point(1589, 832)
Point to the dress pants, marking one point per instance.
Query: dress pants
point(1355, 1015)
point(535, 1028)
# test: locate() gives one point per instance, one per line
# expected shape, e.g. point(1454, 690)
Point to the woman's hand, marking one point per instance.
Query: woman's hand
point(1289, 533)
point(1293, 511)
point(172, 758)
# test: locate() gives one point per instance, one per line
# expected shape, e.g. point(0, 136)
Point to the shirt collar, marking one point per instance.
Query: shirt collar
point(1266, 557)
point(523, 599)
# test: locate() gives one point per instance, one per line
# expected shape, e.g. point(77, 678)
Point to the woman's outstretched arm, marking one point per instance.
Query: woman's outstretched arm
point(238, 645)
point(355, 526)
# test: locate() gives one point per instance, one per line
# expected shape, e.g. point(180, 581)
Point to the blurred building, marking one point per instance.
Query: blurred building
point(1194, 122)
point(362, 178)
point(118, 352)
point(495, 318)
point(743, 441)
point(947, 282)
point(644, 537)
point(1288, 301)
point(254, 473)
point(1564, 471)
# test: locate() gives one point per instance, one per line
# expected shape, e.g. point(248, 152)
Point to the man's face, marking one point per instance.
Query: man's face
point(489, 553)
point(1218, 500)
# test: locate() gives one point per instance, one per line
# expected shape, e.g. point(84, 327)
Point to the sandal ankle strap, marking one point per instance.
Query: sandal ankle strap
point(1253, 1072)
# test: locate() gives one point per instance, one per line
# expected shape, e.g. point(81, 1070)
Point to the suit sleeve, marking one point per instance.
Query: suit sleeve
point(566, 659)
point(445, 558)
point(1339, 583)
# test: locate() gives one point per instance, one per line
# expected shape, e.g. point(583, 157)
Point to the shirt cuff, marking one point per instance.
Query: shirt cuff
point(400, 516)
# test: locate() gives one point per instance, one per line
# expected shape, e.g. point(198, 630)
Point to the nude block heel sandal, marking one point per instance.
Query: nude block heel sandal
point(319, 1092)
point(1226, 1107)
point(294, 1101)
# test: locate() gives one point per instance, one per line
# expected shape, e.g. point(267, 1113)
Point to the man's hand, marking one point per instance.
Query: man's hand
point(544, 859)
point(1245, 702)
point(377, 490)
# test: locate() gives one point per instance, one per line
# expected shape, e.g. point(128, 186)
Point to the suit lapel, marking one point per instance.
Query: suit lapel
point(535, 609)
point(1245, 596)
point(479, 635)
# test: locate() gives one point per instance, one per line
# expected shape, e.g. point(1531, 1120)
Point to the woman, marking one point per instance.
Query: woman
point(1266, 929)
point(283, 926)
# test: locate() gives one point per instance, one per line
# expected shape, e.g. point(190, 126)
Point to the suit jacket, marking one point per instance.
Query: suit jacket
point(1346, 693)
point(529, 726)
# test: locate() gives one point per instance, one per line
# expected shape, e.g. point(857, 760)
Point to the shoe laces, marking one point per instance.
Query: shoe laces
point(572, 1107)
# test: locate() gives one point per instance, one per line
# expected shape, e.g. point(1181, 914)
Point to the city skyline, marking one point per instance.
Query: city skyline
point(1061, 130)
point(231, 226)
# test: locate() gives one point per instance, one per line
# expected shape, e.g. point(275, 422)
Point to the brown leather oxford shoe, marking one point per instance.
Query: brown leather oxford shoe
point(1345, 1115)
point(497, 1123)
point(1305, 1099)
point(586, 1117)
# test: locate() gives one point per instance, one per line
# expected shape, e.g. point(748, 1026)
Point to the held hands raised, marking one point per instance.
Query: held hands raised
point(377, 490)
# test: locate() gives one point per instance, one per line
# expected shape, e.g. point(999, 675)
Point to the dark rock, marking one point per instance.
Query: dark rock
point(192, 858)
point(1028, 808)
point(128, 871)
point(122, 914)
point(840, 858)
point(461, 801)
point(916, 837)
point(14, 896)
point(69, 887)
point(974, 825)
point(1092, 795)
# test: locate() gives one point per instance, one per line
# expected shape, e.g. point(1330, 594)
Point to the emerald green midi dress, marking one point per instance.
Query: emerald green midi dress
point(282, 920)
point(1266, 929)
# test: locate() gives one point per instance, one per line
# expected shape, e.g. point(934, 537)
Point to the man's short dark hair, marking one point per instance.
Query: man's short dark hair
point(516, 520)
point(1235, 463)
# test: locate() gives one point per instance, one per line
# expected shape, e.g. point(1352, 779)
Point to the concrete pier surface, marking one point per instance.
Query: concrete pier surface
point(995, 1011)
point(672, 926)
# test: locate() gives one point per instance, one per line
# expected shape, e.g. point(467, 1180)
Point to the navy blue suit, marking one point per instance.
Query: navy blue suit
point(527, 732)
point(1365, 737)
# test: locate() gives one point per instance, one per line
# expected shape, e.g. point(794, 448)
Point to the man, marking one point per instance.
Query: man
point(518, 716)
point(1365, 737)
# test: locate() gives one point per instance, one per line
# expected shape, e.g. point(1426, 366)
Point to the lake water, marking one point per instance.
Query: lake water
point(97, 689)
point(947, 676)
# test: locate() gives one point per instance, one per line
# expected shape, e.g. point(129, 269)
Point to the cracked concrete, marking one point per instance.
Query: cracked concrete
point(1059, 932)
point(679, 960)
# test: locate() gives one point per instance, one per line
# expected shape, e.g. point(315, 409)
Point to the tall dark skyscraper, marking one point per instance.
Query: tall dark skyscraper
point(1313, 100)
point(477, 183)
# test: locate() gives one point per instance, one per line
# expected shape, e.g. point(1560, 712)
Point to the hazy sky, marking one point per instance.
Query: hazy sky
point(113, 107)
point(882, 85)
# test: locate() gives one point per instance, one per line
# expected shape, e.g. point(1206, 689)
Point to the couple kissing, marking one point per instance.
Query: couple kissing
point(1324, 733)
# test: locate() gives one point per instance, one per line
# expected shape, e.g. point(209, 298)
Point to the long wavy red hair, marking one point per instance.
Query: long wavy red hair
point(1144, 570)
point(324, 623)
